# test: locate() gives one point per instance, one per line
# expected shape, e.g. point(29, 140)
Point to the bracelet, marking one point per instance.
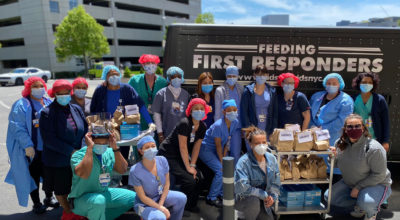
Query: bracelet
point(192, 165)
point(117, 150)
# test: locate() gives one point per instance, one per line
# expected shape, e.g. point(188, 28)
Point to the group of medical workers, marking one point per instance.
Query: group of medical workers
point(48, 140)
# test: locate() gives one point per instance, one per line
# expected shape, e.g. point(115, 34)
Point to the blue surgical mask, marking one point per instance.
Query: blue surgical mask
point(99, 149)
point(150, 153)
point(207, 88)
point(231, 81)
point(232, 116)
point(288, 88)
point(114, 80)
point(63, 99)
point(332, 89)
point(150, 68)
point(198, 114)
point(366, 87)
point(176, 82)
point(261, 79)
point(80, 93)
point(38, 93)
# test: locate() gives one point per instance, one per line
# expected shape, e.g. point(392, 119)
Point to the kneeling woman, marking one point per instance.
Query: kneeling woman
point(150, 178)
point(257, 180)
point(216, 145)
point(366, 180)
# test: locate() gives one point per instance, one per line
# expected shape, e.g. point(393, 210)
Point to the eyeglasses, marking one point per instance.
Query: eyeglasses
point(350, 127)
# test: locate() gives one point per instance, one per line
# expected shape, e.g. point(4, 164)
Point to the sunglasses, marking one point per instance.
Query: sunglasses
point(350, 127)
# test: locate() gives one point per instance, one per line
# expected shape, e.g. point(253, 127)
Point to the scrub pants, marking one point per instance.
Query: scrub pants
point(253, 208)
point(106, 205)
point(210, 158)
point(36, 171)
point(236, 146)
point(369, 199)
point(175, 203)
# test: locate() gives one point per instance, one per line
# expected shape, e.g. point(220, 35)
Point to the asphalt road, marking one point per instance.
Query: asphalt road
point(10, 210)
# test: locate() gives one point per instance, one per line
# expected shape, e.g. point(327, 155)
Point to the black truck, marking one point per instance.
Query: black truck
point(308, 52)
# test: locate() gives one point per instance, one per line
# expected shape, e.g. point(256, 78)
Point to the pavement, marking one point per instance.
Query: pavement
point(10, 210)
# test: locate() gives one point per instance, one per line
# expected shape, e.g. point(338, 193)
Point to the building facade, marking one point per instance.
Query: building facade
point(27, 29)
point(372, 22)
point(282, 19)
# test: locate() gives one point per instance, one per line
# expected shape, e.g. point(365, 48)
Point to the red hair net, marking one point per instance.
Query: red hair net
point(196, 101)
point(149, 58)
point(28, 84)
point(58, 85)
point(283, 76)
point(79, 80)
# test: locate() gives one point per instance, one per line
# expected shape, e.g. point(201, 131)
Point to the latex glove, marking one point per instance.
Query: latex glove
point(30, 152)
point(152, 127)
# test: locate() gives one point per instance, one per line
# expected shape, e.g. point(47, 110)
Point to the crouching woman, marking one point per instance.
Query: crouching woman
point(256, 178)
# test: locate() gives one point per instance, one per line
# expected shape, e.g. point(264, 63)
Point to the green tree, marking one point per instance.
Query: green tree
point(205, 18)
point(398, 23)
point(80, 35)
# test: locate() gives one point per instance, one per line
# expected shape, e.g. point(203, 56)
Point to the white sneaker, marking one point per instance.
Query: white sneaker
point(372, 218)
point(357, 212)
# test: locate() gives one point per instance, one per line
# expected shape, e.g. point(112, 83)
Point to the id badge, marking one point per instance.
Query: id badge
point(140, 210)
point(262, 118)
point(160, 189)
point(149, 109)
point(104, 179)
point(176, 107)
point(368, 122)
point(35, 123)
point(192, 136)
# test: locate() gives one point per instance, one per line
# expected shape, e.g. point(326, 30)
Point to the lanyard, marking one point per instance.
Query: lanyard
point(149, 95)
point(103, 167)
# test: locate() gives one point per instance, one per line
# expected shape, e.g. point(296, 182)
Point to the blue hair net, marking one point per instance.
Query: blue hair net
point(228, 103)
point(107, 69)
point(174, 70)
point(145, 140)
point(232, 70)
point(336, 76)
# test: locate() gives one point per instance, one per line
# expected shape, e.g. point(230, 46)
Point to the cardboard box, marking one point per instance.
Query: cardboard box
point(129, 131)
point(291, 196)
point(312, 195)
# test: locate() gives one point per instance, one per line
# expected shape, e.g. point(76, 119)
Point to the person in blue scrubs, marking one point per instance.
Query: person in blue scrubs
point(259, 106)
point(111, 94)
point(170, 103)
point(329, 110)
point(205, 90)
point(231, 89)
point(150, 179)
point(293, 106)
point(25, 145)
point(216, 145)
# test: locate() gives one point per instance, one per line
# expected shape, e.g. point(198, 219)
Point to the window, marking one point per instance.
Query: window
point(10, 21)
point(12, 42)
point(6, 2)
point(32, 71)
point(79, 62)
point(54, 7)
point(73, 4)
point(10, 64)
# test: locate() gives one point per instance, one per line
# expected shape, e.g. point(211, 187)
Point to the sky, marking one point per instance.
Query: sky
point(301, 12)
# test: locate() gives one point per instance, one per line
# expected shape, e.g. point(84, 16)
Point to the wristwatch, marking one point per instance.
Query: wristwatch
point(192, 165)
point(116, 150)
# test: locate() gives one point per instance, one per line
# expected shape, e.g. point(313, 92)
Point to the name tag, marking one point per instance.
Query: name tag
point(286, 135)
point(368, 122)
point(192, 137)
point(35, 123)
point(322, 135)
point(304, 137)
point(104, 179)
point(149, 109)
point(262, 117)
point(160, 189)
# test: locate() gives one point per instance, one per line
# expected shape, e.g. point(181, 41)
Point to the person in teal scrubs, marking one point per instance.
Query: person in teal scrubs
point(92, 166)
point(147, 85)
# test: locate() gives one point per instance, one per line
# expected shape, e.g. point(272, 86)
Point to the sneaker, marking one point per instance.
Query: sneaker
point(51, 202)
point(372, 218)
point(214, 202)
point(39, 208)
point(357, 212)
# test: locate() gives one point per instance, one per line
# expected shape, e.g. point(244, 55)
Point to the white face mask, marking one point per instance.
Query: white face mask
point(261, 149)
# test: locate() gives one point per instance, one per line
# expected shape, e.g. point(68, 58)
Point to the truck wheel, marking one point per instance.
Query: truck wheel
point(19, 81)
point(3, 84)
point(44, 78)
